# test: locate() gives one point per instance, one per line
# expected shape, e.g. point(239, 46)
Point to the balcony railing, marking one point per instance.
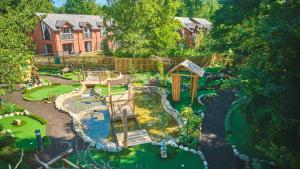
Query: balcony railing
point(66, 36)
point(87, 35)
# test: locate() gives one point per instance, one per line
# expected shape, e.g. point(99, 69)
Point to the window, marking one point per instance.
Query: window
point(88, 46)
point(48, 49)
point(45, 31)
point(87, 29)
point(68, 48)
point(66, 30)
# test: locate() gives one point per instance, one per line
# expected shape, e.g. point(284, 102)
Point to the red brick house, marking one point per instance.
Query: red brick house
point(192, 28)
point(68, 34)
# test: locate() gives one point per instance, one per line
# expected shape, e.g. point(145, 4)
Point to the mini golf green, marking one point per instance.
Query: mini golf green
point(25, 137)
point(240, 130)
point(43, 92)
point(145, 156)
point(114, 89)
point(185, 100)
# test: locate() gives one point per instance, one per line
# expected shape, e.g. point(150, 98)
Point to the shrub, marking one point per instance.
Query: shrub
point(7, 108)
point(189, 141)
point(38, 118)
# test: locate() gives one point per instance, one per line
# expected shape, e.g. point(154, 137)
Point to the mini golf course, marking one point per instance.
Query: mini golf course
point(144, 156)
point(25, 137)
point(44, 92)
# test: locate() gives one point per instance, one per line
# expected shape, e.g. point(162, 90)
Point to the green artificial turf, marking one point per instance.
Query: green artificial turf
point(185, 100)
point(240, 131)
point(25, 137)
point(145, 156)
point(43, 92)
point(114, 89)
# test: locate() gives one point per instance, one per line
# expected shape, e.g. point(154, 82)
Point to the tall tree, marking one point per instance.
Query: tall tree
point(146, 27)
point(263, 37)
point(17, 20)
point(87, 7)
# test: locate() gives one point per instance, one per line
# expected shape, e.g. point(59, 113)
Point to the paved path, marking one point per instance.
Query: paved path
point(214, 145)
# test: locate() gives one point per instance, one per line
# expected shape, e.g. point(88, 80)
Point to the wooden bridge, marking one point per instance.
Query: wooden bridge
point(134, 138)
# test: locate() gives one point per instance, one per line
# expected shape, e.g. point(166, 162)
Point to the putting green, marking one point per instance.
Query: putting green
point(114, 89)
point(43, 92)
point(25, 137)
point(145, 156)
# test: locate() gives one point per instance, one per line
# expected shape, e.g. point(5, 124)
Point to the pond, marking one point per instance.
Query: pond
point(96, 123)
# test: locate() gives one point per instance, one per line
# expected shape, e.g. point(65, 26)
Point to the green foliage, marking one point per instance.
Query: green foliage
point(263, 39)
point(145, 28)
point(17, 20)
point(87, 7)
point(105, 48)
point(198, 8)
point(2, 92)
point(6, 108)
point(160, 67)
point(38, 118)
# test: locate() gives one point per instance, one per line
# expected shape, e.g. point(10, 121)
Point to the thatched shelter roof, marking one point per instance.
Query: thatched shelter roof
point(189, 66)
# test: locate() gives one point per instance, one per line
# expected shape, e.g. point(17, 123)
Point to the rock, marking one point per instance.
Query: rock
point(181, 147)
point(244, 157)
point(205, 163)
point(26, 112)
point(193, 151)
point(1, 117)
point(199, 153)
point(202, 157)
point(17, 122)
point(186, 149)
point(11, 115)
point(5, 115)
point(272, 163)
point(236, 152)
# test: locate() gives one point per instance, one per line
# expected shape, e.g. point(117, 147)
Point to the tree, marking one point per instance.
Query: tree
point(198, 8)
point(263, 38)
point(87, 7)
point(146, 27)
point(17, 20)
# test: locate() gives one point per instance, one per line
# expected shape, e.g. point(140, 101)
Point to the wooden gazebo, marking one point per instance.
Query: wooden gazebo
point(185, 68)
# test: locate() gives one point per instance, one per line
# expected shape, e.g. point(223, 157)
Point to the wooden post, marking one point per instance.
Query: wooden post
point(125, 128)
point(194, 87)
point(78, 77)
point(111, 105)
point(176, 87)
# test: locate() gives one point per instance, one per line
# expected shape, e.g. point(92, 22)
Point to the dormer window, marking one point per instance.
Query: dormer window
point(66, 30)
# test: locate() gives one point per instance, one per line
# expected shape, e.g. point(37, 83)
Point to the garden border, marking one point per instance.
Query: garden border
point(244, 157)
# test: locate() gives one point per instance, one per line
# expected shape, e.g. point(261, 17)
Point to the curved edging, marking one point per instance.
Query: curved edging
point(241, 156)
point(173, 143)
point(164, 101)
point(77, 126)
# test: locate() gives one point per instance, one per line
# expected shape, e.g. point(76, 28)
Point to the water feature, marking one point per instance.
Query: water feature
point(96, 122)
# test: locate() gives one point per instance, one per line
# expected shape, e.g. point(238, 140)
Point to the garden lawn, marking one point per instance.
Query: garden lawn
point(152, 117)
point(146, 156)
point(25, 137)
point(44, 92)
point(240, 134)
point(114, 89)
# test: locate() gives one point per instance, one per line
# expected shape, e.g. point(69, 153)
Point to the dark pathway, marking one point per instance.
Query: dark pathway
point(217, 151)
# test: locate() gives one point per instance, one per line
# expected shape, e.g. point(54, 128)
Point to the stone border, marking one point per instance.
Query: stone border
point(78, 127)
point(24, 113)
point(173, 143)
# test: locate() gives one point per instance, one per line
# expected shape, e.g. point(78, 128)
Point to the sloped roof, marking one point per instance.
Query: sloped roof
point(53, 20)
point(190, 66)
point(191, 23)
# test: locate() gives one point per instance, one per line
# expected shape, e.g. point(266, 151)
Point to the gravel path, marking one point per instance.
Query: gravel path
point(217, 150)
point(59, 80)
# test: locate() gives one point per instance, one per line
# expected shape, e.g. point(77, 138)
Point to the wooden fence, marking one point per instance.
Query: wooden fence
point(122, 64)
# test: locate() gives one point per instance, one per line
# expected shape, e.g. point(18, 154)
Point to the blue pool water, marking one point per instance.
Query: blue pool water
point(97, 123)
